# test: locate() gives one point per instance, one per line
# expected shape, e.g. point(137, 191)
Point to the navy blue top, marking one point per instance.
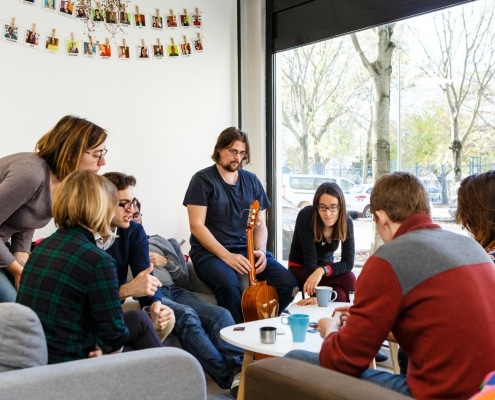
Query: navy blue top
point(228, 206)
point(131, 249)
point(305, 251)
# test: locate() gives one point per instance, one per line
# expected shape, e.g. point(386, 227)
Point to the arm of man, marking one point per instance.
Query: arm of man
point(197, 219)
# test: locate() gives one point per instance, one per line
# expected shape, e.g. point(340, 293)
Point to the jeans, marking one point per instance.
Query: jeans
point(7, 290)
point(142, 334)
point(222, 279)
point(197, 326)
point(397, 383)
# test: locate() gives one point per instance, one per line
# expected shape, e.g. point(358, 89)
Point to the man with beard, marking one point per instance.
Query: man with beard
point(197, 323)
point(218, 200)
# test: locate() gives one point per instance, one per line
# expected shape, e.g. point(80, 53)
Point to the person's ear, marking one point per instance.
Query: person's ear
point(381, 217)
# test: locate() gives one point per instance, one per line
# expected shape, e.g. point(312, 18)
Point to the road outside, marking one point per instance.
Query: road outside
point(363, 232)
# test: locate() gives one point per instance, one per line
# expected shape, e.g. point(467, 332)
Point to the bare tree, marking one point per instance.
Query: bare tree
point(314, 96)
point(380, 72)
point(462, 61)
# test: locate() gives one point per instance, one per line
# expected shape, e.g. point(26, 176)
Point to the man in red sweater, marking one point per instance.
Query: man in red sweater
point(431, 288)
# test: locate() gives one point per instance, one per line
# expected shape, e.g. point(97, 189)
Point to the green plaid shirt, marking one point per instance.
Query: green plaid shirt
point(72, 285)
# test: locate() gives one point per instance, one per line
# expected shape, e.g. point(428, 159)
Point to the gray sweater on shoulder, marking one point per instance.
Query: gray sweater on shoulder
point(25, 202)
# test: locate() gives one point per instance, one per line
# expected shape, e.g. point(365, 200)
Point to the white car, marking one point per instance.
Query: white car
point(357, 201)
point(300, 189)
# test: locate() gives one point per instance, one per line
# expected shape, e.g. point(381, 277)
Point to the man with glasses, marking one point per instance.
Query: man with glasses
point(129, 248)
point(198, 323)
point(218, 200)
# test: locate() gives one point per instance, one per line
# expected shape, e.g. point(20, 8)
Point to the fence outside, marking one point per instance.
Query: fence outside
point(438, 180)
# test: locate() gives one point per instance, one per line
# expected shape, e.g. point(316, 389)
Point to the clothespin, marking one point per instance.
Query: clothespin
point(158, 13)
point(197, 11)
point(124, 43)
point(158, 42)
point(13, 22)
point(143, 42)
point(107, 41)
point(199, 35)
point(91, 43)
point(98, 5)
point(172, 41)
point(185, 11)
point(54, 31)
point(72, 36)
point(34, 28)
point(185, 39)
point(137, 9)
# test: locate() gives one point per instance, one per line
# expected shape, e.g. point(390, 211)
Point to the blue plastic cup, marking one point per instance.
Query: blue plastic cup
point(299, 324)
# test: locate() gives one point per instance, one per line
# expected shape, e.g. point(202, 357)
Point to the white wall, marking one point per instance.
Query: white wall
point(162, 116)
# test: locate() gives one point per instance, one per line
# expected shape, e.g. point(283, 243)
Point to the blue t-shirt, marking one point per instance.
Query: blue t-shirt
point(228, 206)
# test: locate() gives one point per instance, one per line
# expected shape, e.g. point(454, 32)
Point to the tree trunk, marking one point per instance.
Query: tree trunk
point(380, 71)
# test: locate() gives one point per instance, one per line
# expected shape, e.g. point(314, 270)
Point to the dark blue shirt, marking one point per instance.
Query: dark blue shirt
point(228, 206)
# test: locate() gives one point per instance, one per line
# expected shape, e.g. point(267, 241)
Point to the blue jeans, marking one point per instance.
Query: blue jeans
point(222, 279)
point(7, 290)
point(197, 326)
point(397, 383)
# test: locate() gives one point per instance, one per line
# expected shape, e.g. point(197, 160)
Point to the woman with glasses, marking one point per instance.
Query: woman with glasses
point(320, 229)
point(28, 182)
point(72, 285)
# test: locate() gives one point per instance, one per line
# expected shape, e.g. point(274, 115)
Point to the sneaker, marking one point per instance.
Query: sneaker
point(381, 356)
point(234, 388)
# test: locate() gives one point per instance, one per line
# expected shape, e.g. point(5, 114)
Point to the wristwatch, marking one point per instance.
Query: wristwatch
point(326, 268)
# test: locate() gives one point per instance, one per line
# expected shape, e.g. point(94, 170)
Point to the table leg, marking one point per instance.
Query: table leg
point(247, 359)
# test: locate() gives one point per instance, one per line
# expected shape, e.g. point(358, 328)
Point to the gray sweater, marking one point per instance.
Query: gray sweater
point(175, 271)
point(25, 202)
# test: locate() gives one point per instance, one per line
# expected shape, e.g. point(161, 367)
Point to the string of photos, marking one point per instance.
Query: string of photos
point(110, 18)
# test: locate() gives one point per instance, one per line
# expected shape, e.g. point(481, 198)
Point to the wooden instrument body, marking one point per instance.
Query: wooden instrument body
point(259, 300)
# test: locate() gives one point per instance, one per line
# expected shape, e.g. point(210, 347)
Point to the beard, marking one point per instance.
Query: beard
point(231, 166)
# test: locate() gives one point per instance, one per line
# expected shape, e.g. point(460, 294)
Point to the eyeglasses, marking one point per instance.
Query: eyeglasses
point(137, 216)
point(99, 154)
point(333, 208)
point(237, 152)
point(126, 204)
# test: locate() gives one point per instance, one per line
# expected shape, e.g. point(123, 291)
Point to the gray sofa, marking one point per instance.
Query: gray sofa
point(289, 379)
point(166, 372)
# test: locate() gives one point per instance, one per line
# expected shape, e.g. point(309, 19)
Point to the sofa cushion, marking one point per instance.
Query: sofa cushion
point(294, 379)
point(22, 339)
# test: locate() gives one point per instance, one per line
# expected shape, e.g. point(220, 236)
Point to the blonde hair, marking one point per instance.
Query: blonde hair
point(85, 199)
point(64, 145)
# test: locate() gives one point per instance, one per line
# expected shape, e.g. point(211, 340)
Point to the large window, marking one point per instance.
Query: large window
point(413, 95)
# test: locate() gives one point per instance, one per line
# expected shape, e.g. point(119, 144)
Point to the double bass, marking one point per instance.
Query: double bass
point(259, 300)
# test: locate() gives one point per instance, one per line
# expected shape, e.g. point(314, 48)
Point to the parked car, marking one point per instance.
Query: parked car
point(453, 200)
point(357, 201)
point(299, 190)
